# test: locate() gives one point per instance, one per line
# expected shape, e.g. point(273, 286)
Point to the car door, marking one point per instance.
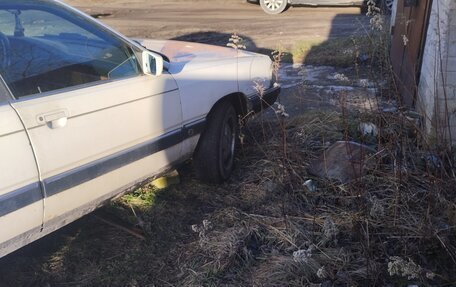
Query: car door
point(96, 122)
point(21, 198)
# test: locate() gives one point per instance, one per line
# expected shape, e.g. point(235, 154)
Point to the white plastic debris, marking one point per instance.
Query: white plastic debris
point(368, 129)
point(310, 185)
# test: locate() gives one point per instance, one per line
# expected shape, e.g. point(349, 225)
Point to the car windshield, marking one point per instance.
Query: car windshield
point(45, 47)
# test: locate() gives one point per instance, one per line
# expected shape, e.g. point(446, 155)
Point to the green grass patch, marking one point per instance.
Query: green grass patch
point(142, 197)
point(340, 52)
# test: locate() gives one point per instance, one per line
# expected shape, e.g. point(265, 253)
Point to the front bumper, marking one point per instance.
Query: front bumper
point(266, 99)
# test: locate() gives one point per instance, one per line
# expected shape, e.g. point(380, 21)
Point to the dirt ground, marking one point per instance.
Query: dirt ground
point(192, 20)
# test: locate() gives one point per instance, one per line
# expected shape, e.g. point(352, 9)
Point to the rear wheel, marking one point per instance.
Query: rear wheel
point(274, 6)
point(214, 156)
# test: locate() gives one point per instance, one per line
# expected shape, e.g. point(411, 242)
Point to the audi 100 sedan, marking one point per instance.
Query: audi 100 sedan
point(86, 113)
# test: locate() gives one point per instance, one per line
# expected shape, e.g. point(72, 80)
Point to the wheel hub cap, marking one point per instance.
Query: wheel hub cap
point(273, 5)
point(228, 144)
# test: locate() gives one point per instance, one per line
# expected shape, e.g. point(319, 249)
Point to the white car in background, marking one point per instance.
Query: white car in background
point(278, 6)
point(86, 113)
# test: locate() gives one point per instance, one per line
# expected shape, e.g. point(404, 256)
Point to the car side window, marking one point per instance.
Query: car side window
point(6, 23)
point(44, 49)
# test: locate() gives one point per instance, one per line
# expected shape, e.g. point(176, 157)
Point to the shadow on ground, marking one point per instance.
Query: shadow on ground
point(222, 39)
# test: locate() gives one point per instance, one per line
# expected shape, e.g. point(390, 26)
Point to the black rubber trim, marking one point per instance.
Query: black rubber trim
point(259, 103)
point(20, 198)
point(82, 174)
point(30, 194)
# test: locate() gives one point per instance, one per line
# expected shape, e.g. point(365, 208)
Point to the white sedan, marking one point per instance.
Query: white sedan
point(86, 113)
point(278, 6)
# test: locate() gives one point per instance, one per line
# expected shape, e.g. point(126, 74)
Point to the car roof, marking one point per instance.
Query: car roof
point(38, 2)
point(12, 4)
point(25, 1)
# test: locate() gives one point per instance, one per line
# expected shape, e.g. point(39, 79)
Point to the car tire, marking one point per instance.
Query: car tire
point(274, 6)
point(213, 159)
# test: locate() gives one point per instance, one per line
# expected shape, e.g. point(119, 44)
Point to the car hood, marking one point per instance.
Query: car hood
point(192, 55)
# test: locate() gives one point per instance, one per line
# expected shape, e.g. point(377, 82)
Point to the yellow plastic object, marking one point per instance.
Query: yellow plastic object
point(166, 180)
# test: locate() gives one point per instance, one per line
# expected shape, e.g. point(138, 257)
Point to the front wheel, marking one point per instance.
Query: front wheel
point(274, 6)
point(214, 156)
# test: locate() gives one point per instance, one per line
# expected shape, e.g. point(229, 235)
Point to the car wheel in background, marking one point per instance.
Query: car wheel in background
point(214, 156)
point(274, 6)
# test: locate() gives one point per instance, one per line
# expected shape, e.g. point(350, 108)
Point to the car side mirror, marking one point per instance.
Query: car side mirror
point(152, 63)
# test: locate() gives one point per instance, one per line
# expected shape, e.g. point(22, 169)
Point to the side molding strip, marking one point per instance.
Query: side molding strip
point(30, 194)
point(79, 175)
point(20, 198)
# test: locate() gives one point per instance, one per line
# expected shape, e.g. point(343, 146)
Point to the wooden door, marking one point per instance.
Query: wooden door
point(409, 36)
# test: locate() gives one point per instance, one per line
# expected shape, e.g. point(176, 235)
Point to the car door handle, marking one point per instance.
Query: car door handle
point(54, 120)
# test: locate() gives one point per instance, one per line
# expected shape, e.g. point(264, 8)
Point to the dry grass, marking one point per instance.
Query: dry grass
point(341, 235)
point(339, 52)
point(264, 228)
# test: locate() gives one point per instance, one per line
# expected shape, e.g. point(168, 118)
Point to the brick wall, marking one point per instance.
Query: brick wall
point(437, 90)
